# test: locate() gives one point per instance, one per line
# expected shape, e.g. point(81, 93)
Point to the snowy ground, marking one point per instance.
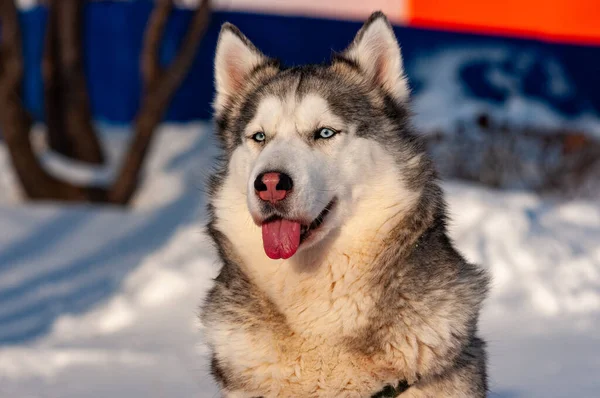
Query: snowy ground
point(101, 302)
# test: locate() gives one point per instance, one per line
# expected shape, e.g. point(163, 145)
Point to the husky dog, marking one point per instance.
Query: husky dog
point(338, 278)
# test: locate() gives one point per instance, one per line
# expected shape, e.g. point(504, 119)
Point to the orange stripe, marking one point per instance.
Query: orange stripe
point(575, 21)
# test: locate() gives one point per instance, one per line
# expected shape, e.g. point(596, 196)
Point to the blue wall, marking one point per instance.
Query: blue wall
point(113, 41)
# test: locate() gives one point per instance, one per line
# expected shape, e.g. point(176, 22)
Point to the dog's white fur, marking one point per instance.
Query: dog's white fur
point(322, 290)
point(325, 303)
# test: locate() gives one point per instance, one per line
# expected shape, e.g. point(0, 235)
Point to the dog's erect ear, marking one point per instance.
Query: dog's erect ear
point(377, 52)
point(236, 57)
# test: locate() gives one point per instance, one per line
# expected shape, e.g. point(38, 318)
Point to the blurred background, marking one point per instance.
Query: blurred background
point(106, 140)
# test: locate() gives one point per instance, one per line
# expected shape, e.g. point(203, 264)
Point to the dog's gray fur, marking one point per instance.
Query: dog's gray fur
point(424, 298)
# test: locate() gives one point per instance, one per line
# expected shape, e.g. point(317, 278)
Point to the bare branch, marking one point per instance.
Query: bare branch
point(16, 123)
point(68, 115)
point(151, 69)
point(12, 68)
point(53, 106)
point(180, 66)
point(159, 91)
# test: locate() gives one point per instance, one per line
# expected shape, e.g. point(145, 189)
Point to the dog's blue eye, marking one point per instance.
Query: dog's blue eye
point(325, 133)
point(259, 137)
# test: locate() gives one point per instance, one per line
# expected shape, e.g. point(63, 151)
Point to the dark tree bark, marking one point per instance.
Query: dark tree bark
point(16, 123)
point(160, 83)
point(159, 86)
point(67, 108)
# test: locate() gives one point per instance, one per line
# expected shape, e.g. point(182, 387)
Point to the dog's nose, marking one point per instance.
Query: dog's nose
point(273, 186)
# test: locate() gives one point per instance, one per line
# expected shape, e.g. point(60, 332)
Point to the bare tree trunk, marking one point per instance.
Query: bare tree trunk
point(53, 105)
point(159, 86)
point(68, 115)
point(16, 123)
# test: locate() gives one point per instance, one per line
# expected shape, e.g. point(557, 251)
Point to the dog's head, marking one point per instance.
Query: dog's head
point(307, 148)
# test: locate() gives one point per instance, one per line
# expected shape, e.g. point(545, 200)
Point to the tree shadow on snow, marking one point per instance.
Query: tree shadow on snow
point(58, 269)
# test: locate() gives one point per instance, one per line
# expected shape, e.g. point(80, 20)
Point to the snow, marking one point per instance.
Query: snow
point(100, 301)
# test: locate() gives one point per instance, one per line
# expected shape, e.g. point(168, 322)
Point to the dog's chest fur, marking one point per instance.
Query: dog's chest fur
point(310, 350)
point(331, 301)
point(290, 331)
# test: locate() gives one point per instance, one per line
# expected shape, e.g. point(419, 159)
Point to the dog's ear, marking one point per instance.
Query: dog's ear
point(236, 57)
point(377, 53)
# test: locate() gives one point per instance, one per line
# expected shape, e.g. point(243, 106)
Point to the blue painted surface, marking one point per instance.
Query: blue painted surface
point(113, 39)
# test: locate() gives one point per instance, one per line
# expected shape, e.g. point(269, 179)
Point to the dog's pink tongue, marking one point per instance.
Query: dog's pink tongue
point(281, 238)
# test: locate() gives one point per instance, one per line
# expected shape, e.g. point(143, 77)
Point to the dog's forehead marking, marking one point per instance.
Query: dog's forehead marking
point(288, 115)
point(312, 111)
point(268, 114)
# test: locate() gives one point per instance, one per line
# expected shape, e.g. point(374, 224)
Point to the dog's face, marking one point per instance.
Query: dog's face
point(309, 147)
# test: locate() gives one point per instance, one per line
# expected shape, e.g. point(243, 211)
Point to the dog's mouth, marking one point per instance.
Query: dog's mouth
point(307, 230)
point(282, 237)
